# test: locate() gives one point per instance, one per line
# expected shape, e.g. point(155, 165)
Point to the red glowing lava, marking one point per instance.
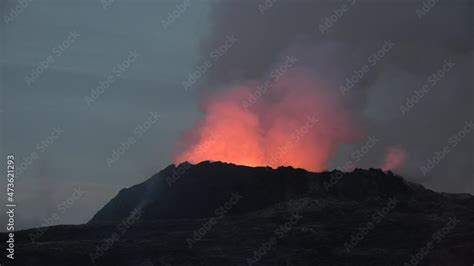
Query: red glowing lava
point(296, 119)
point(394, 159)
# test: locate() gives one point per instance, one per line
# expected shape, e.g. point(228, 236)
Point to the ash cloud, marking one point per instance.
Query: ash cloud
point(353, 32)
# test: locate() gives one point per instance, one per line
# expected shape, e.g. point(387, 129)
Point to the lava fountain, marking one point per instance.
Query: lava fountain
point(295, 119)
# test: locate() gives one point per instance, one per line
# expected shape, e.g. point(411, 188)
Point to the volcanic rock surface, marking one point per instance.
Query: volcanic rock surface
point(216, 213)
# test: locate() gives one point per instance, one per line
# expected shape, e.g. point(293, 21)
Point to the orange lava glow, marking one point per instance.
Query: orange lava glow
point(394, 158)
point(295, 120)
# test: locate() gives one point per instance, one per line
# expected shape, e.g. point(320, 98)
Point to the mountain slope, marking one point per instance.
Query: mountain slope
point(193, 191)
point(223, 214)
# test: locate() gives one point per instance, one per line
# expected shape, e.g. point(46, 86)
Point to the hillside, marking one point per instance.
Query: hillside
point(223, 214)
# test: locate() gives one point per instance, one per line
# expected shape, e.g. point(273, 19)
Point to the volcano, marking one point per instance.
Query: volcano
point(195, 191)
point(215, 213)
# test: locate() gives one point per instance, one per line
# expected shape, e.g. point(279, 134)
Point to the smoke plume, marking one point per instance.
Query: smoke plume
point(296, 119)
point(250, 115)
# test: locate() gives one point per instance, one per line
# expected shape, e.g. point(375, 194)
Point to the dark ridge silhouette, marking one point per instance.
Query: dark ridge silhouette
point(166, 220)
point(195, 191)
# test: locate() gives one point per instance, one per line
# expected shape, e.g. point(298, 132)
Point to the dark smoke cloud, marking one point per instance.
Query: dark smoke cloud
point(424, 39)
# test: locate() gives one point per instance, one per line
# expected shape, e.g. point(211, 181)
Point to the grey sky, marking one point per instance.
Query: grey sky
point(153, 83)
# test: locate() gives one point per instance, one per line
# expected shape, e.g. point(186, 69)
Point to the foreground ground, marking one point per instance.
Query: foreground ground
point(257, 216)
point(303, 232)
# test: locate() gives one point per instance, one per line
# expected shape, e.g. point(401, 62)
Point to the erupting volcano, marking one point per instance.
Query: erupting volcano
point(294, 118)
